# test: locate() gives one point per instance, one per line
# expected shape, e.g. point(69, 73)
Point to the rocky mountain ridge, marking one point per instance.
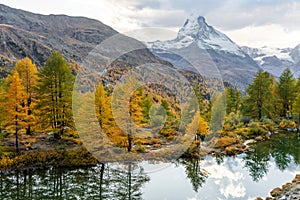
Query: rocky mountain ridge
point(34, 35)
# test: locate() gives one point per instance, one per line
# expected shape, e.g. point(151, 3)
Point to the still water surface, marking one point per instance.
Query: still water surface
point(271, 164)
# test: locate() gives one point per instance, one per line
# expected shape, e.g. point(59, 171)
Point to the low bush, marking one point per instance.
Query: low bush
point(226, 141)
point(285, 124)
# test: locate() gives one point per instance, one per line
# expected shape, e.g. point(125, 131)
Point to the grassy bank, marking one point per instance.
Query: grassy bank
point(40, 159)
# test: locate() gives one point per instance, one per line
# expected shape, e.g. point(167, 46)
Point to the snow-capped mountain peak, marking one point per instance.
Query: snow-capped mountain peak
point(220, 52)
point(196, 29)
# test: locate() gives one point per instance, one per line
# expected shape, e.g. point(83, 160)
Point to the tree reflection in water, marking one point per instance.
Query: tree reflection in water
point(284, 148)
point(126, 181)
point(105, 181)
point(194, 172)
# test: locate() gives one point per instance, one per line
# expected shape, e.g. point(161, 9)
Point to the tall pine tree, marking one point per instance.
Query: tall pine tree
point(55, 87)
point(233, 99)
point(286, 91)
point(259, 101)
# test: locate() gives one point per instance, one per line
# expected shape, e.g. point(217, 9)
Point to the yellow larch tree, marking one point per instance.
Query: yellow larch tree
point(203, 128)
point(2, 105)
point(103, 107)
point(15, 105)
point(28, 74)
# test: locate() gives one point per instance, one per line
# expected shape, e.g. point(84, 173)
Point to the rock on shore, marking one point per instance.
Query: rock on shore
point(288, 191)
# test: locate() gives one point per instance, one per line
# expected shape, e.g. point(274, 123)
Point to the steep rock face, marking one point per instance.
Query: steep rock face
point(233, 63)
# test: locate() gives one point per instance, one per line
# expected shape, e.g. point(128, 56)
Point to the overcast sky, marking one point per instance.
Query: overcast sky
point(254, 23)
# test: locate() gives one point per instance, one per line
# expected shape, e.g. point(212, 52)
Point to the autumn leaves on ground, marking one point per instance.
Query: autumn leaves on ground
point(37, 124)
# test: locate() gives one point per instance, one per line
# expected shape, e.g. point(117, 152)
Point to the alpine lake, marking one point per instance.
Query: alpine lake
point(270, 164)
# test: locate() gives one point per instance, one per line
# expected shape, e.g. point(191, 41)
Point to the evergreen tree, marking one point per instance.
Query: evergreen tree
point(286, 91)
point(233, 99)
point(204, 105)
point(218, 112)
point(28, 73)
point(140, 106)
point(259, 101)
point(296, 107)
point(54, 88)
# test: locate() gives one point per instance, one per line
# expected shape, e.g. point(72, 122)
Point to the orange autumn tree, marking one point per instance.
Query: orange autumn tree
point(203, 128)
point(2, 105)
point(103, 107)
point(28, 74)
point(15, 105)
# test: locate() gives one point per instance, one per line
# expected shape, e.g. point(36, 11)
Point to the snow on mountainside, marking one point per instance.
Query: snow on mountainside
point(258, 54)
point(202, 42)
point(275, 60)
point(195, 29)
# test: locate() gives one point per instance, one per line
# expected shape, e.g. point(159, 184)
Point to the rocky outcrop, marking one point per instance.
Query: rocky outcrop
point(288, 191)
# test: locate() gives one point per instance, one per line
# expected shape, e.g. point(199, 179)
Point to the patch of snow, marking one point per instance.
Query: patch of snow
point(205, 36)
point(283, 54)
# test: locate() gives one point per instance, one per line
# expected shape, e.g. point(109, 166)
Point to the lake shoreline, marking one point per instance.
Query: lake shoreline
point(74, 155)
point(64, 154)
point(69, 152)
point(287, 191)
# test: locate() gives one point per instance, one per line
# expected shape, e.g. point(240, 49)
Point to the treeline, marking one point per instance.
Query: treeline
point(40, 101)
point(135, 118)
point(266, 97)
point(33, 100)
point(269, 104)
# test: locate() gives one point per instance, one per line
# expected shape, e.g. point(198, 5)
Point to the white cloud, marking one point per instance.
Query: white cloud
point(248, 22)
point(218, 172)
point(232, 190)
point(229, 181)
point(268, 35)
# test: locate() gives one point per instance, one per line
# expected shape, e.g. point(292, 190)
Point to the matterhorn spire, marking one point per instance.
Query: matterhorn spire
point(196, 27)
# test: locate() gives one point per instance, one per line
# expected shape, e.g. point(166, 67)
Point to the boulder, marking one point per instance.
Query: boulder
point(276, 192)
point(259, 138)
point(297, 178)
point(287, 186)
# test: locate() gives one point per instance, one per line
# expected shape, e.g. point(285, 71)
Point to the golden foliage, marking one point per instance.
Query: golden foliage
point(14, 106)
point(203, 128)
point(284, 124)
point(226, 141)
